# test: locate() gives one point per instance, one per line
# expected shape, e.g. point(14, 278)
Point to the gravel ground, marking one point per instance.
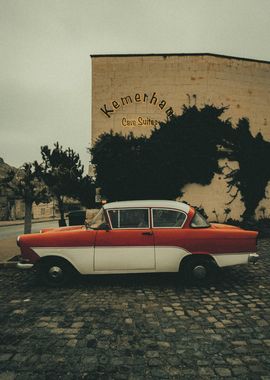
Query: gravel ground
point(137, 326)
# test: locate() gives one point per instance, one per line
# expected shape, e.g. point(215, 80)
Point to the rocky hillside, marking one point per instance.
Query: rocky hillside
point(5, 193)
point(4, 168)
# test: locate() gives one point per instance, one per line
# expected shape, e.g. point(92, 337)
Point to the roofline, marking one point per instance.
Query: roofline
point(153, 203)
point(164, 55)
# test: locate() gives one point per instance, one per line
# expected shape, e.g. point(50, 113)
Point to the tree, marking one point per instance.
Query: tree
point(6, 189)
point(25, 184)
point(119, 166)
point(62, 171)
point(184, 149)
point(227, 212)
point(181, 150)
point(87, 192)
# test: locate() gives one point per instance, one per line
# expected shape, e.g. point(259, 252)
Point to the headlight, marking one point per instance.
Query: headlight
point(18, 241)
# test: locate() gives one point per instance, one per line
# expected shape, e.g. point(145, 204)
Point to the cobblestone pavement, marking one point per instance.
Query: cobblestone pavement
point(137, 327)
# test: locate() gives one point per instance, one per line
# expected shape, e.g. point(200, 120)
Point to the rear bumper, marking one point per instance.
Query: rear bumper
point(230, 259)
point(253, 258)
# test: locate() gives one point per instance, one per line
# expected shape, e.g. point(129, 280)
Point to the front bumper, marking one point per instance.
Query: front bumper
point(253, 258)
point(23, 264)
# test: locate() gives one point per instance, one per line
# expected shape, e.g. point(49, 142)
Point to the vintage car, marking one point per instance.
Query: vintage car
point(138, 237)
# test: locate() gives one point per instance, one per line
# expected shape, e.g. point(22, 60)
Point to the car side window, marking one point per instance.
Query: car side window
point(199, 221)
point(129, 218)
point(115, 218)
point(164, 218)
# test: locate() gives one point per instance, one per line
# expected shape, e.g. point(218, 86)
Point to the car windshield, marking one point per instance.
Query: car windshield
point(98, 220)
point(199, 221)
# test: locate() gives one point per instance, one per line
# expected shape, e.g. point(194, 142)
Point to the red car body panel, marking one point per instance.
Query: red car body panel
point(64, 229)
point(129, 237)
point(74, 238)
point(207, 240)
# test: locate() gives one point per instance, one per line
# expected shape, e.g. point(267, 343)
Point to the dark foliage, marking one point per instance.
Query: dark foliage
point(26, 185)
point(253, 174)
point(120, 166)
point(183, 150)
point(87, 191)
point(62, 172)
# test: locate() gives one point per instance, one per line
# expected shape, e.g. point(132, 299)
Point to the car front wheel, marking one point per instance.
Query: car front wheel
point(55, 272)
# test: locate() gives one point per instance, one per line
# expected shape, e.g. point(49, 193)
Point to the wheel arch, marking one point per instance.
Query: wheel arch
point(52, 257)
point(197, 256)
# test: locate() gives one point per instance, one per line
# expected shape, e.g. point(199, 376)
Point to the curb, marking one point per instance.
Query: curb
point(8, 264)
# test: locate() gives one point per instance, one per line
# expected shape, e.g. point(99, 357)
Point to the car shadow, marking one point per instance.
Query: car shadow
point(226, 278)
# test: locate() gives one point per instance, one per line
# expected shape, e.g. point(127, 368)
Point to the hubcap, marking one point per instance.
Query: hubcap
point(55, 273)
point(199, 272)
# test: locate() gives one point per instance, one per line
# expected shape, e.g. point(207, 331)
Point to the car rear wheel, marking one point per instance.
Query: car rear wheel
point(55, 272)
point(198, 270)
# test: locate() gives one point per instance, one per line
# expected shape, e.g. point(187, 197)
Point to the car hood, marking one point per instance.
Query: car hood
point(62, 229)
point(79, 237)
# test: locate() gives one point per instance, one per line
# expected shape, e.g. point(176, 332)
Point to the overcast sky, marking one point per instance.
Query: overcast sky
point(45, 71)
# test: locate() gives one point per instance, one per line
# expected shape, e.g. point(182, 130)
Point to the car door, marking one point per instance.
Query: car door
point(128, 246)
point(169, 238)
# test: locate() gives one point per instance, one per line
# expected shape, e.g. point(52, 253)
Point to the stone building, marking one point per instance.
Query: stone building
point(136, 92)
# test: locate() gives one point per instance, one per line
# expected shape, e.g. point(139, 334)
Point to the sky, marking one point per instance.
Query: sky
point(45, 47)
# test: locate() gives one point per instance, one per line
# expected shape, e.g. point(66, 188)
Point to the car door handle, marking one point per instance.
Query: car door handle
point(147, 233)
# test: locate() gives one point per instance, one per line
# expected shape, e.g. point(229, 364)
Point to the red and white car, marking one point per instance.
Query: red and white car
point(137, 237)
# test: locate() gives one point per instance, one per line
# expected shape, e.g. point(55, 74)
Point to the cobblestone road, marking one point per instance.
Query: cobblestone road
point(138, 327)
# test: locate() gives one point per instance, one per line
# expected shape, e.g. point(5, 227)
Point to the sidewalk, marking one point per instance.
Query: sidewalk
point(18, 222)
point(8, 246)
point(8, 251)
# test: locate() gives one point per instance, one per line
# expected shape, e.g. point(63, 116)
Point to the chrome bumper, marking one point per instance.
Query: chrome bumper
point(253, 258)
point(24, 265)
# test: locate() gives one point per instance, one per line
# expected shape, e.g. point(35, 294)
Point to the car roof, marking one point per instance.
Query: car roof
point(148, 203)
